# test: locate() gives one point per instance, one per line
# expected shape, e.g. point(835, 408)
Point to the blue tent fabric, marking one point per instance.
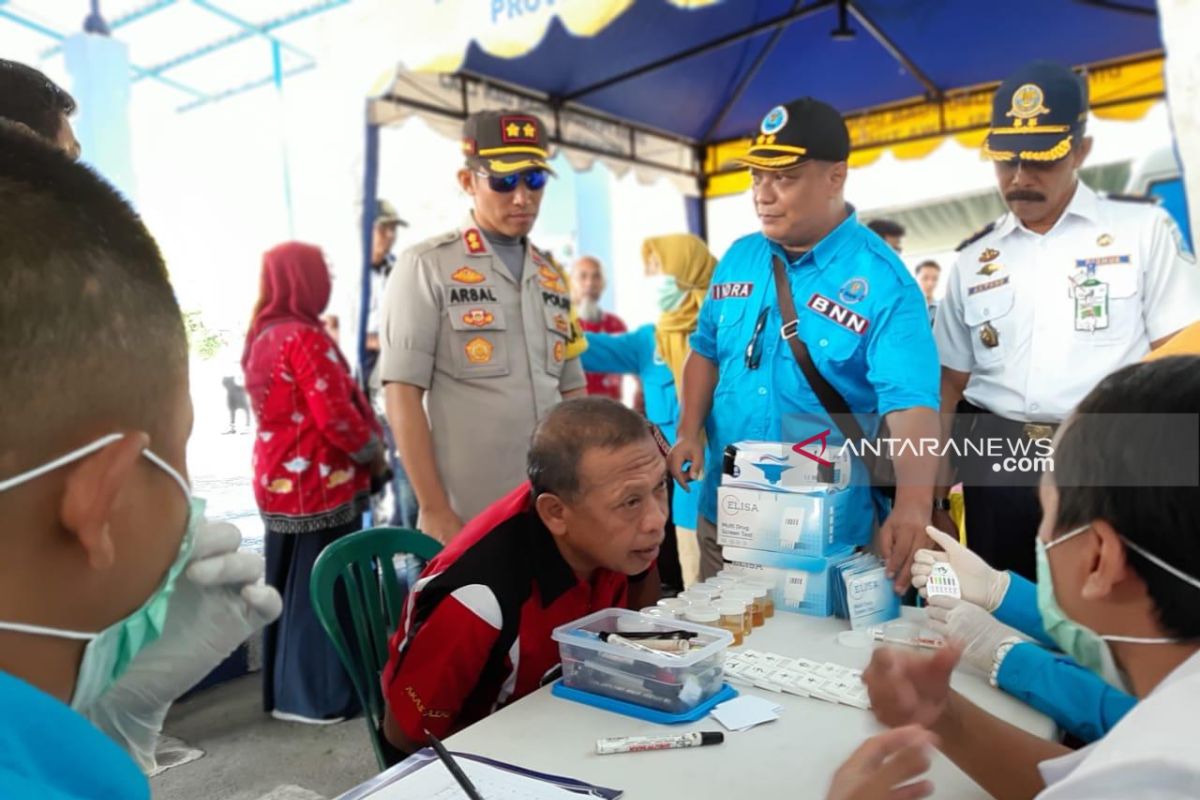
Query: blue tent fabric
point(953, 43)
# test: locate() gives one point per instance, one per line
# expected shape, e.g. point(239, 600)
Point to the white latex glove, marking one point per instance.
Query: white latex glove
point(218, 603)
point(979, 583)
point(979, 632)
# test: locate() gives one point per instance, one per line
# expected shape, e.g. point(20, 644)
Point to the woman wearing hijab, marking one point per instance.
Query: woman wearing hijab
point(316, 448)
point(680, 267)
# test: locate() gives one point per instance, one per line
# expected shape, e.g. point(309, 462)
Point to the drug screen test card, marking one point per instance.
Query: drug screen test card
point(943, 581)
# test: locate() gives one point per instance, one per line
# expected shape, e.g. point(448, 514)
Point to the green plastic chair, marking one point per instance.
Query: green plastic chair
point(364, 563)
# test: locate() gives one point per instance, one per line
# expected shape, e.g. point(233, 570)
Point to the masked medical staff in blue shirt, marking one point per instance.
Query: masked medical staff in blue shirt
point(680, 267)
point(859, 312)
point(998, 606)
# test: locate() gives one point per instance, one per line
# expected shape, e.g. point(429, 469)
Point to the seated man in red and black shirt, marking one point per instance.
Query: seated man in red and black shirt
point(476, 629)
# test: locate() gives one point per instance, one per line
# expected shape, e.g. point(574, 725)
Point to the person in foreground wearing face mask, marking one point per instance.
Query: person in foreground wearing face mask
point(582, 534)
point(587, 285)
point(1066, 287)
point(1118, 561)
point(114, 597)
point(680, 267)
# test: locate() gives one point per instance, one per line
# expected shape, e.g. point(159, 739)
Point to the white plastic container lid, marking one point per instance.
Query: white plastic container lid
point(673, 604)
point(744, 596)
point(731, 608)
point(581, 636)
point(658, 612)
point(693, 598)
point(701, 614)
point(706, 589)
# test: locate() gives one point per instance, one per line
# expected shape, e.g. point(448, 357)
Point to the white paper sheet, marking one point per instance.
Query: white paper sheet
point(434, 782)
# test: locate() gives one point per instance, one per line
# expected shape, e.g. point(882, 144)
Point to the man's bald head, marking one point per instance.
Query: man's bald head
point(587, 280)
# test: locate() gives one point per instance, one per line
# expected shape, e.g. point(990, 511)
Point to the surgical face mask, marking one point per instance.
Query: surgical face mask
point(668, 293)
point(109, 652)
point(1090, 649)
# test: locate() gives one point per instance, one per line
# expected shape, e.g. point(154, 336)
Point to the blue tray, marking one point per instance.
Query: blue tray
point(726, 692)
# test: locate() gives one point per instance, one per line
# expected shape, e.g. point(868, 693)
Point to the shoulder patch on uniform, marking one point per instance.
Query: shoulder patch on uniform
point(432, 243)
point(976, 236)
point(1147, 199)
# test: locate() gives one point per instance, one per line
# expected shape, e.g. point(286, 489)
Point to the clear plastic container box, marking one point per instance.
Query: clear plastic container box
point(674, 684)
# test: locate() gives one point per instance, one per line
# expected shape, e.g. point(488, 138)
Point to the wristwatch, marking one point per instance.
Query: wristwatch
point(998, 658)
point(941, 504)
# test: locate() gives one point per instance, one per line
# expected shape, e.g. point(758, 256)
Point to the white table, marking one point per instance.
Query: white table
point(793, 758)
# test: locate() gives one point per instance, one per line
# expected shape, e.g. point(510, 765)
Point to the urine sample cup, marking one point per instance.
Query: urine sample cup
point(658, 612)
point(673, 604)
point(733, 618)
point(703, 615)
point(764, 592)
point(746, 598)
point(706, 590)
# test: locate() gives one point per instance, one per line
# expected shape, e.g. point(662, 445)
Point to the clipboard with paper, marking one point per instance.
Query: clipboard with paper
point(422, 776)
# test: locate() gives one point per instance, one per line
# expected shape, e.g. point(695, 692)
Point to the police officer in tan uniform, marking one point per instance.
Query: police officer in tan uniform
point(477, 337)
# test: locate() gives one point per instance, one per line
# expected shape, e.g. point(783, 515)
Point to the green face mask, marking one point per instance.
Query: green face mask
point(109, 652)
point(1090, 649)
point(668, 293)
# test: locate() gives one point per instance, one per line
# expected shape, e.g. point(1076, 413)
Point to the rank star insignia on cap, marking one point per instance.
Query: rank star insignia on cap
point(504, 142)
point(1038, 114)
point(797, 131)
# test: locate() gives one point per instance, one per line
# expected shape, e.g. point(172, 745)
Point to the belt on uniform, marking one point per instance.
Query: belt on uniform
point(1008, 427)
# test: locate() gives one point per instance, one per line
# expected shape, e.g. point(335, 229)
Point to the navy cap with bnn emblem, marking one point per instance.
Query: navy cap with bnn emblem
point(503, 142)
point(1039, 113)
point(797, 131)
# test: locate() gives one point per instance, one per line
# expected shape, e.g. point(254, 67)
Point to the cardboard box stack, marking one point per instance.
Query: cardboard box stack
point(777, 517)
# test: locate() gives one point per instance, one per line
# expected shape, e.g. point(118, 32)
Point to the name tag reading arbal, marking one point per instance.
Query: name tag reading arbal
point(839, 314)
point(482, 294)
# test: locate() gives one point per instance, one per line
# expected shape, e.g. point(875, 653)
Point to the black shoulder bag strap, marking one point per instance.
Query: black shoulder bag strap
point(831, 399)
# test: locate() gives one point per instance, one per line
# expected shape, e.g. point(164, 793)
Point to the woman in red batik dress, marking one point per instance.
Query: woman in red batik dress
point(316, 448)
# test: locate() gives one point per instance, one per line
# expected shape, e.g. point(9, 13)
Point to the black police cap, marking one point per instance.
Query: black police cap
point(1038, 114)
point(797, 131)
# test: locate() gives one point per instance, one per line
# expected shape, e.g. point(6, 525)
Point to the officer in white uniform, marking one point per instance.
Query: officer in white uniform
point(477, 337)
point(1065, 288)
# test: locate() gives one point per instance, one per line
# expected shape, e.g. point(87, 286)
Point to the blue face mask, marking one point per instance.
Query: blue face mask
point(108, 653)
point(1090, 649)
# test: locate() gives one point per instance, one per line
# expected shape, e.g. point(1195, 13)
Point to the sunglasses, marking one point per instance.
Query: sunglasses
point(754, 349)
point(535, 180)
